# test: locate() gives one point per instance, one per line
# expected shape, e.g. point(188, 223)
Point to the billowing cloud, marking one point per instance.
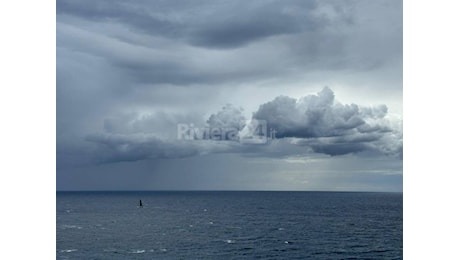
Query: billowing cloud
point(315, 123)
point(329, 127)
point(318, 116)
point(228, 117)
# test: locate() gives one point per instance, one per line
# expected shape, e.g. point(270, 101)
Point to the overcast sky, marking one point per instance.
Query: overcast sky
point(325, 76)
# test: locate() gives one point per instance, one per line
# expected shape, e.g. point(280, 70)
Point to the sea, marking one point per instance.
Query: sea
point(229, 225)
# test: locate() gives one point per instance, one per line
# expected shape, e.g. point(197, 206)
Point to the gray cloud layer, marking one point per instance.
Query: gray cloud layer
point(316, 123)
point(182, 42)
point(228, 29)
point(129, 71)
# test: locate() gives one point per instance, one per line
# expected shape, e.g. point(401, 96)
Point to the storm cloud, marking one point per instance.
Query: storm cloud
point(317, 123)
point(190, 23)
point(182, 42)
point(130, 73)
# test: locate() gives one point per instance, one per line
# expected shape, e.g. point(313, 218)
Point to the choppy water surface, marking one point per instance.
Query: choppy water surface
point(229, 225)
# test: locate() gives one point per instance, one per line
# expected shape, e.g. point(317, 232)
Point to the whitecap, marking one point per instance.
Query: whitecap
point(71, 226)
point(137, 251)
point(68, 250)
point(229, 241)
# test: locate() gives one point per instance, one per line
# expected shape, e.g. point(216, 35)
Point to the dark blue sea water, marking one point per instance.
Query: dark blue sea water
point(229, 225)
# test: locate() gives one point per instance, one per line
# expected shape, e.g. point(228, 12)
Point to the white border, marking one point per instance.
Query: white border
point(27, 105)
point(431, 54)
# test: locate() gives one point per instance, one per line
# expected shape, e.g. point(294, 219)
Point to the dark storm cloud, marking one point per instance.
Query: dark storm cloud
point(163, 62)
point(312, 124)
point(134, 147)
point(255, 21)
point(135, 137)
point(152, 41)
point(215, 42)
point(214, 24)
point(111, 148)
point(339, 149)
point(129, 72)
point(343, 145)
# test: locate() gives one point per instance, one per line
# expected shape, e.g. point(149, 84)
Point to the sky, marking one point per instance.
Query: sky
point(229, 95)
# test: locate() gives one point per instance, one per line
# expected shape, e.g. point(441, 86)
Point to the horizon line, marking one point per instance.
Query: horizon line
point(212, 190)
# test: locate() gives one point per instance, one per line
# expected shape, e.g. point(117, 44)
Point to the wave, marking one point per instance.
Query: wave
point(71, 226)
point(67, 250)
point(137, 251)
